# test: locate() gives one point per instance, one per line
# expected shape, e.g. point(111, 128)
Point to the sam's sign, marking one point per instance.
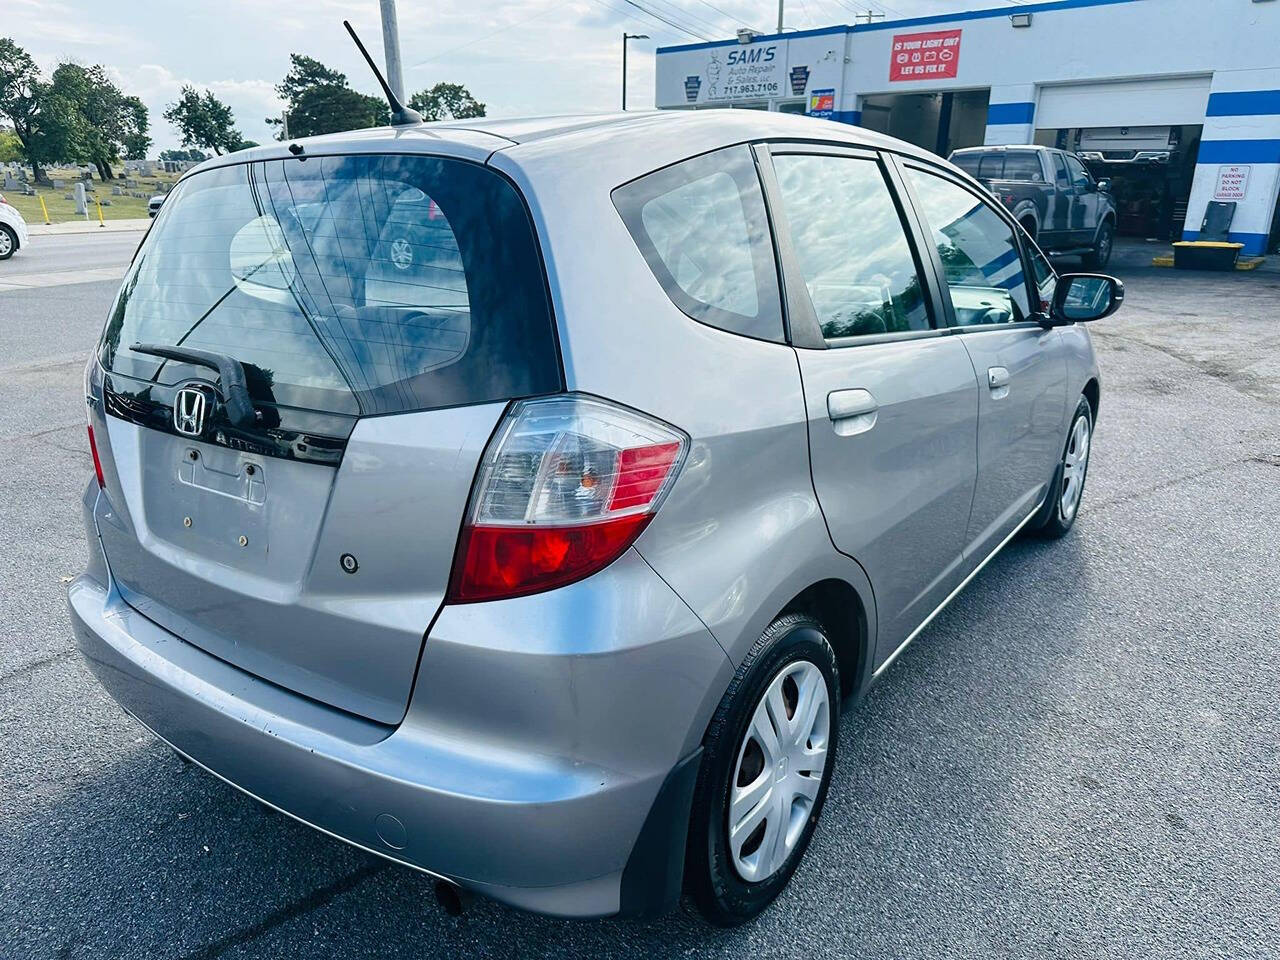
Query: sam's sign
point(925, 56)
point(755, 71)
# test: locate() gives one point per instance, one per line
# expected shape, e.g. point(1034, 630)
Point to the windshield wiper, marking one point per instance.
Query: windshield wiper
point(230, 376)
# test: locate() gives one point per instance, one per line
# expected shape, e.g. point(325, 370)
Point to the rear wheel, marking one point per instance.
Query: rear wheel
point(766, 766)
point(1100, 256)
point(8, 242)
point(1063, 504)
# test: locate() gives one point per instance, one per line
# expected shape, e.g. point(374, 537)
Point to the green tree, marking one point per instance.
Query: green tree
point(319, 100)
point(111, 124)
point(446, 101)
point(193, 155)
point(137, 138)
point(203, 121)
point(10, 147)
point(48, 126)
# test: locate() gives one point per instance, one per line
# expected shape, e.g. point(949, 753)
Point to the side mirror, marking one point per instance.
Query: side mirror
point(1081, 297)
point(1104, 185)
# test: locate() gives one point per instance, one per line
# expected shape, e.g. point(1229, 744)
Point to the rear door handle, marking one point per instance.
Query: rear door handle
point(852, 411)
point(998, 380)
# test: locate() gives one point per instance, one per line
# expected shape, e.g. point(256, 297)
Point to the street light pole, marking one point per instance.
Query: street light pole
point(391, 48)
point(780, 2)
point(625, 37)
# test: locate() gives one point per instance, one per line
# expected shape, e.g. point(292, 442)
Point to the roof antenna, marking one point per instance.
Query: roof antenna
point(401, 116)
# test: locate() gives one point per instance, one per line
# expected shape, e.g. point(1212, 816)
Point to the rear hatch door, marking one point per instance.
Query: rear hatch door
point(385, 309)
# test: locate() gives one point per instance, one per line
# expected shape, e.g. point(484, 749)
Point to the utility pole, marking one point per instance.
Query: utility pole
point(869, 16)
point(780, 3)
point(391, 48)
point(625, 37)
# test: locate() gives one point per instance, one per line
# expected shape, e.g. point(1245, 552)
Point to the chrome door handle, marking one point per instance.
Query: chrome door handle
point(852, 411)
point(998, 380)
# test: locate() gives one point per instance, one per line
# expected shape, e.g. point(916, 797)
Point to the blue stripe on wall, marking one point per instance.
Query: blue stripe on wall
point(848, 116)
point(1255, 244)
point(1248, 103)
point(999, 113)
point(1239, 151)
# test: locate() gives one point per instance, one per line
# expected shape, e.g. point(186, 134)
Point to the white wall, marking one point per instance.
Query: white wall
point(1138, 62)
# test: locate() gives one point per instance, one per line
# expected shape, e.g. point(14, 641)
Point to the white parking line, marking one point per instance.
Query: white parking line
point(30, 280)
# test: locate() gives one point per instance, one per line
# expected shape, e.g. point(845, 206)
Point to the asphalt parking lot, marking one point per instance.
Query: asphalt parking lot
point(1077, 758)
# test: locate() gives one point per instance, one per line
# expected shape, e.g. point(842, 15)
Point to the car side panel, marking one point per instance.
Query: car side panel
point(740, 533)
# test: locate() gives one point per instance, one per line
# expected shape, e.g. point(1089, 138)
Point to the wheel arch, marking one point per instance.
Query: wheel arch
point(837, 605)
point(1093, 393)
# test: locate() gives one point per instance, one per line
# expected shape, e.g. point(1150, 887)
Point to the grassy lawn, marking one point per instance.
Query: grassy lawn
point(62, 210)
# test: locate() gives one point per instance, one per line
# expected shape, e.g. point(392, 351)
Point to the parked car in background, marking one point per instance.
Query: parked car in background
point(552, 582)
point(13, 229)
point(154, 204)
point(1052, 194)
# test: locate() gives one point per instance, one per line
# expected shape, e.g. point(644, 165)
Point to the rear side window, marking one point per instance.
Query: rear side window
point(1023, 165)
point(850, 245)
point(702, 228)
point(351, 285)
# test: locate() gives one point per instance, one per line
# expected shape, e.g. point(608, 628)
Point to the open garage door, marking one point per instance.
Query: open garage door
point(1123, 103)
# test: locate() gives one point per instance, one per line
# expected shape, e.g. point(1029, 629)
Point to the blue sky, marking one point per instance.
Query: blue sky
point(517, 56)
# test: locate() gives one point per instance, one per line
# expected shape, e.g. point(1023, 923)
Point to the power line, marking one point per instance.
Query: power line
point(726, 14)
point(634, 19)
point(688, 16)
point(670, 23)
point(487, 36)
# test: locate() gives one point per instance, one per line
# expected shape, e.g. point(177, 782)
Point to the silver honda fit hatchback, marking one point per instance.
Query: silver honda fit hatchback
point(522, 500)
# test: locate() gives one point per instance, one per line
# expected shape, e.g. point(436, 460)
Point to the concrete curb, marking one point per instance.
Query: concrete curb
point(80, 226)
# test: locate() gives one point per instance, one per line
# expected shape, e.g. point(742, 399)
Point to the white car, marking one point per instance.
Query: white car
point(154, 204)
point(13, 229)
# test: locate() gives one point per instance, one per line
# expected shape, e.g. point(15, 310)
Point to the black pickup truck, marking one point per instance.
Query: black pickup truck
point(1053, 196)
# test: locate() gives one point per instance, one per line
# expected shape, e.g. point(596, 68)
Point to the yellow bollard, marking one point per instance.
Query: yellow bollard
point(44, 208)
point(99, 203)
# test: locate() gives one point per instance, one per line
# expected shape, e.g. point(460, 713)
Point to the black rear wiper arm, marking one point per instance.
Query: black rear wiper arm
point(230, 376)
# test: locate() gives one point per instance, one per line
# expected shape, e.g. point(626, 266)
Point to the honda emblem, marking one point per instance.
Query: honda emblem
point(189, 407)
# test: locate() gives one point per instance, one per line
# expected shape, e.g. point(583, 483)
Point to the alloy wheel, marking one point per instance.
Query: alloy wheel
point(779, 771)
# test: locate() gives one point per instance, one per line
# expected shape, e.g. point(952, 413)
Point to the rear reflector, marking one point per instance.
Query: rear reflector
point(567, 484)
point(97, 464)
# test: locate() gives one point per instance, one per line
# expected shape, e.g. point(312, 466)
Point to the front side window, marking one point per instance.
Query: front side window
point(851, 246)
point(979, 252)
point(347, 285)
point(1080, 178)
point(702, 228)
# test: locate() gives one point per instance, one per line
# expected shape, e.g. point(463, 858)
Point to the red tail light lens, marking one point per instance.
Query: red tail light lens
point(97, 463)
point(567, 484)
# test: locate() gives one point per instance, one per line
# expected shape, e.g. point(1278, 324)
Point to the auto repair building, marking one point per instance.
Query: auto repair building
point(1177, 101)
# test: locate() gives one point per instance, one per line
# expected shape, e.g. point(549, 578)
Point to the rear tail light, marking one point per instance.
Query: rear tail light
point(566, 485)
point(97, 463)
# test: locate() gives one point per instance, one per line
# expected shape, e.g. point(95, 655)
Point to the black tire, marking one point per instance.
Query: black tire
point(7, 250)
point(711, 878)
point(1053, 522)
point(1100, 256)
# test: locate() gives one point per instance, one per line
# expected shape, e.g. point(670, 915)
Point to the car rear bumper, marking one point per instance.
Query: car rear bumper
point(511, 772)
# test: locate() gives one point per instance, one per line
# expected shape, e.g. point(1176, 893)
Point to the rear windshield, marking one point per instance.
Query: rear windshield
point(968, 162)
point(353, 285)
